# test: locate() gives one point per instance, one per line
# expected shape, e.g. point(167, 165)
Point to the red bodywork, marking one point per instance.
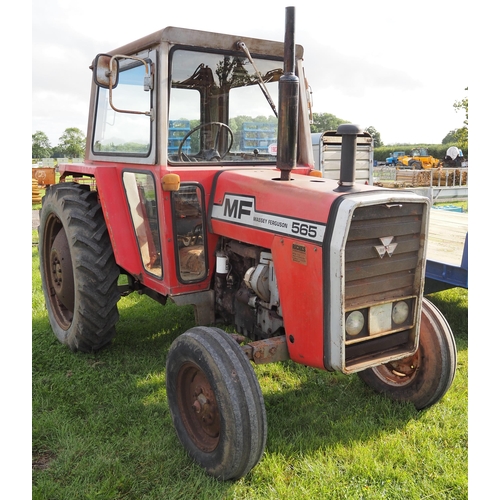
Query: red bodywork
point(304, 202)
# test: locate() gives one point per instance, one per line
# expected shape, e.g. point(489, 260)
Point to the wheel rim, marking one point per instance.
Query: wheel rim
point(58, 269)
point(198, 407)
point(401, 372)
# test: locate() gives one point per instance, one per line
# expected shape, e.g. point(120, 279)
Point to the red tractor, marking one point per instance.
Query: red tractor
point(329, 274)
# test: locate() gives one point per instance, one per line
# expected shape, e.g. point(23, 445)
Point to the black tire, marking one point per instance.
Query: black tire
point(425, 377)
point(216, 402)
point(416, 165)
point(78, 268)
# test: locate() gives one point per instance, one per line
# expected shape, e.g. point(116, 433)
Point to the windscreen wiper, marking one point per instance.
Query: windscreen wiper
point(262, 85)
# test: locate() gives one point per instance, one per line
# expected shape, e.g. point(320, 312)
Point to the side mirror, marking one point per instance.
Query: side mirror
point(106, 69)
point(104, 75)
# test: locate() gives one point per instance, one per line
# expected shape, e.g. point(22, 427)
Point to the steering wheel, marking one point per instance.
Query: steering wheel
point(208, 154)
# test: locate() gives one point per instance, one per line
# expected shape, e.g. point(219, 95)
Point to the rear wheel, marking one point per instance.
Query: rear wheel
point(425, 377)
point(216, 402)
point(78, 269)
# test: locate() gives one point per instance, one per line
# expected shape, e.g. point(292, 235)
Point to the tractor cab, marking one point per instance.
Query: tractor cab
point(182, 97)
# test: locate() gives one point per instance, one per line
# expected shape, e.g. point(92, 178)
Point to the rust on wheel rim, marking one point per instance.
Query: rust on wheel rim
point(61, 271)
point(400, 372)
point(198, 407)
point(58, 270)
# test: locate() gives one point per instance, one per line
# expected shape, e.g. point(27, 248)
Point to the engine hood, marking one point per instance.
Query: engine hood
point(255, 205)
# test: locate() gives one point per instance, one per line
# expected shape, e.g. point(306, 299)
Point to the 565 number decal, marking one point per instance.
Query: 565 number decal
point(304, 229)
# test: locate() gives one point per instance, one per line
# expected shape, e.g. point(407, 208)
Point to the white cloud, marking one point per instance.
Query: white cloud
point(367, 62)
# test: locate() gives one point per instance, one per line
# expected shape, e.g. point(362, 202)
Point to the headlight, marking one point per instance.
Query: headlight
point(379, 319)
point(354, 323)
point(400, 312)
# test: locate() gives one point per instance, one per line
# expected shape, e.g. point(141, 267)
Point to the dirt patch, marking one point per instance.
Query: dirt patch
point(41, 460)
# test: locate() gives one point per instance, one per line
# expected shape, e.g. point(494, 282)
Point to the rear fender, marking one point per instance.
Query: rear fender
point(118, 220)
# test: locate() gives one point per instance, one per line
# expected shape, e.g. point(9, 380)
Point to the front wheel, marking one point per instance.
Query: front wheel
point(425, 377)
point(216, 402)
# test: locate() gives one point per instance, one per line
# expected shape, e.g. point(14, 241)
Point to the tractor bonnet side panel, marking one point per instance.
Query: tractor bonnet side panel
point(289, 218)
point(298, 266)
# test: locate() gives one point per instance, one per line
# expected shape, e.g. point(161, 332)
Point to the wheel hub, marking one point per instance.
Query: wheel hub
point(61, 271)
point(401, 371)
point(198, 406)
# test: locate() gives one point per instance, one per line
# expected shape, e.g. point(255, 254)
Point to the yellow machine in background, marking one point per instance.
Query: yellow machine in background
point(419, 159)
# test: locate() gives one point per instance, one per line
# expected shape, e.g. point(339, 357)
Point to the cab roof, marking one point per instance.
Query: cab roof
point(204, 39)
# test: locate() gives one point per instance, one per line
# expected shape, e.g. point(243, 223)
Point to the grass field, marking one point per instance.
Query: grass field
point(101, 428)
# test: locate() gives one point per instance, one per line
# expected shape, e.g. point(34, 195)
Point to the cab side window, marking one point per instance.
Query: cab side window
point(141, 197)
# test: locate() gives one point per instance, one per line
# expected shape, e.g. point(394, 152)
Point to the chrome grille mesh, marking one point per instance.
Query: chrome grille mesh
point(370, 278)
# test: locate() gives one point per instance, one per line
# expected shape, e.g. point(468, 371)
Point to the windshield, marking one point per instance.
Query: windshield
point(219, 109)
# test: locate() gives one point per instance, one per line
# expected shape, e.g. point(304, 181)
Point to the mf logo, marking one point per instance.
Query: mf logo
point(237, 207)
point(241, 210)
point(387, 247)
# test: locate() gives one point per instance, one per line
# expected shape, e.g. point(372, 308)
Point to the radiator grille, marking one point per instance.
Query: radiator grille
point(370, 278)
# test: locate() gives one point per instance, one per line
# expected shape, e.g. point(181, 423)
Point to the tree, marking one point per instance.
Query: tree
point(462, 134)
point(40, 145)
point(451, 137)
point(377, 142)
point(325, 121)
point(72, 143)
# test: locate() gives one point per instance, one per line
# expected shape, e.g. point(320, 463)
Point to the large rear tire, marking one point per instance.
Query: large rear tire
point(425, 377)
point(78, 268)
point(216, 402)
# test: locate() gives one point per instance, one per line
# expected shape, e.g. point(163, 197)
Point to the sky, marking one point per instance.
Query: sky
point(370, 63)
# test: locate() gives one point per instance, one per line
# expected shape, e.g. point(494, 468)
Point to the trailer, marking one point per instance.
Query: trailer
point(326, 150)
point(447, 252)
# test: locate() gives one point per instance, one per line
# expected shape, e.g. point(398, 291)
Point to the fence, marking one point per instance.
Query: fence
point(438, 183)
point(435, 177)
point(450, 177)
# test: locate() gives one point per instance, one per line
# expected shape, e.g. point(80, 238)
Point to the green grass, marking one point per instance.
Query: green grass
point(101, 427)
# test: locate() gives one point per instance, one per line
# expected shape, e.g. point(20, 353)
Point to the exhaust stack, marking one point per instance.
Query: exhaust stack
point(288, 115)
point(349, 133)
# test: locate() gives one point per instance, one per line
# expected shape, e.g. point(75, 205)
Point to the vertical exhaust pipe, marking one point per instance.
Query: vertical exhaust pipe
point(288, 115)
point(349, 133)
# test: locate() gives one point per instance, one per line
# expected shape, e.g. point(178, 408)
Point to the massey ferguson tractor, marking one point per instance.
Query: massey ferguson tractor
point(172, 200)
